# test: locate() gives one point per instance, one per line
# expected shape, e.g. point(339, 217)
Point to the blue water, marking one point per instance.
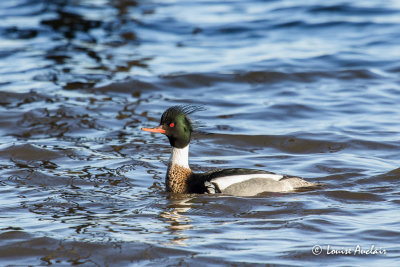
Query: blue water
point(307, 89)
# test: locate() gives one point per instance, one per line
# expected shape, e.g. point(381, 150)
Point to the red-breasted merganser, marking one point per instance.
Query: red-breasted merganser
point(177, 126)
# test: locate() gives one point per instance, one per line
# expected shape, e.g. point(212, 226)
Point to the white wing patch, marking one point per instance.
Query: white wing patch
point(225, 181)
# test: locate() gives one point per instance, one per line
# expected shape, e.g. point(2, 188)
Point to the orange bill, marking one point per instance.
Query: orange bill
point(158, 129)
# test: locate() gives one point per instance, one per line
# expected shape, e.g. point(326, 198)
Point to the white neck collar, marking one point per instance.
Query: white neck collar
point(180, 157)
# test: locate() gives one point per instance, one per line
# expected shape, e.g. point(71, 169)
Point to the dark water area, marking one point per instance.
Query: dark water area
point(310, 89)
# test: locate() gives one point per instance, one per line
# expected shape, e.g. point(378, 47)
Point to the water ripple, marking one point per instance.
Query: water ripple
point(307, 89)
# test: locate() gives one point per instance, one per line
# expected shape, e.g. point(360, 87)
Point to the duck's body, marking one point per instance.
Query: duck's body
point(243, 182)
point(235, 181)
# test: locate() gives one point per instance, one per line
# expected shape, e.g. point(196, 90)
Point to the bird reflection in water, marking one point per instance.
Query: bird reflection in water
point(176, 207)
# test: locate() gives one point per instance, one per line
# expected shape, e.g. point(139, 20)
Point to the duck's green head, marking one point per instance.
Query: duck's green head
point(176, 125)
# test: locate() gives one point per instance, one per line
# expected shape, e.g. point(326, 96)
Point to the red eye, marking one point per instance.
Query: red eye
point(171, 124)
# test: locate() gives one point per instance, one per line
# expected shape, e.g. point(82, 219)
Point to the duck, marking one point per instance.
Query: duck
point(177, 125)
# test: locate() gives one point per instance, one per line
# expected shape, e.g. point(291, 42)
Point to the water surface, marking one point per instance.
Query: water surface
point(306, 89)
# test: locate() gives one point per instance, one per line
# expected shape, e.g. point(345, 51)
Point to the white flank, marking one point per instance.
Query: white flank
point(180, 157)
point(225, 181)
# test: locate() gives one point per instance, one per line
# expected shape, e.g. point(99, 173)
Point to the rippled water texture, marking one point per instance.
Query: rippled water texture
point(307, 88)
